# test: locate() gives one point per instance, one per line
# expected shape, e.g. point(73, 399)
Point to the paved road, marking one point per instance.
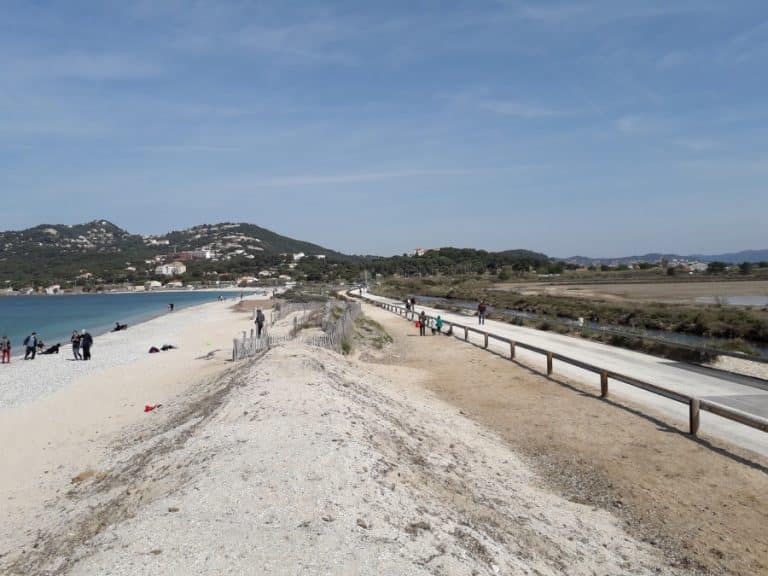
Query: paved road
point(739, 392)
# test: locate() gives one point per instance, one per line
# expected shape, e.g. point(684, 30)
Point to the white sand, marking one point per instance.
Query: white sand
point(62, 416)
point(303, 462)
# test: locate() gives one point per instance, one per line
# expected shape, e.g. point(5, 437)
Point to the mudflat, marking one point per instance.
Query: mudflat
point(672, 292)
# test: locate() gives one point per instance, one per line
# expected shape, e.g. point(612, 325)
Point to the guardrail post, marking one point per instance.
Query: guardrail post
point(486, 340)
point(604, 384)
point(466, 334)
point(511, 350)
point(695, 407)
point(549, 363)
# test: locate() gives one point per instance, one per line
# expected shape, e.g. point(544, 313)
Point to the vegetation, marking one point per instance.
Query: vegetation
point(710, 321)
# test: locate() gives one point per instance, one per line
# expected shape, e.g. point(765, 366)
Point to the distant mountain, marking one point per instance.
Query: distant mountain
point(729, 257)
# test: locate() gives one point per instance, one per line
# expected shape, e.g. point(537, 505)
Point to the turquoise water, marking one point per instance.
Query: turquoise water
point(55, 317)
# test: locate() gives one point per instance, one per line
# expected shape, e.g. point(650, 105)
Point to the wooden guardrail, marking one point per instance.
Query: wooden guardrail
point(695, 405)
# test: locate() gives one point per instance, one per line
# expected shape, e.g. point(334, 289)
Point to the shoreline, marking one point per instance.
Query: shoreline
point(27, 381)
point(153, 291)
point(59, 417)
point(132, 319)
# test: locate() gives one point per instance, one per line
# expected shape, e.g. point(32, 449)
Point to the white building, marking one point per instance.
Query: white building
point(298, 256)
point(172, 269)
point(54, 289)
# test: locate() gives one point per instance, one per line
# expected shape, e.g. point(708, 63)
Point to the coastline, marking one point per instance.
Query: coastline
point(59, 417)
point(134, 311)
point(26, 381)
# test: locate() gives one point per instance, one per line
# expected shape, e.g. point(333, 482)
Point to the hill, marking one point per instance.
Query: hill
point(100, 252)
point(728, 257)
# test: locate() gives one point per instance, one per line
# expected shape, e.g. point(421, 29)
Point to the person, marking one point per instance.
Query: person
point(481, 310)
point(52, 349)
point(75, 339)
point(408, 304)
point(30, 342)
point(259, 322)
point(423, 323)
point(413, 304)
point(86, 341)
point(118, 327)
point(438, 327)
point(5, 350)
point(170, 307)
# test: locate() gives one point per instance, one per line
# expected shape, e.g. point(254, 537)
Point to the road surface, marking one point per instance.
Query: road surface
point(740, 392)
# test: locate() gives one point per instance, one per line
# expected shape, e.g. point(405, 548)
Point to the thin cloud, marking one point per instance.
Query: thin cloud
point(672, 60)
point(352, 178)
point(518, 109)
point(631, 125)
point(84, 66)
point(699, 144)
point(316, 40)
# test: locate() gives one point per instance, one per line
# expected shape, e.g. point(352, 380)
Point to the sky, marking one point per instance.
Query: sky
point(594, 127)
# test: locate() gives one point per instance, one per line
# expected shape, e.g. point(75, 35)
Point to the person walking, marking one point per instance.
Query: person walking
point(30, 343)
point(482, 308)
point(75, 339)
point(438, 327)
point(86, 341)
point(259, 322)
point(5, 350)
point(423, 323)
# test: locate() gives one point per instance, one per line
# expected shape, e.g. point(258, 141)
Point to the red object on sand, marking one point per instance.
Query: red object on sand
point(150, 407)
point(418, 324)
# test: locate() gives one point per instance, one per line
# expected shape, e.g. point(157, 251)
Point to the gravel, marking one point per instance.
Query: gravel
point(305, 462)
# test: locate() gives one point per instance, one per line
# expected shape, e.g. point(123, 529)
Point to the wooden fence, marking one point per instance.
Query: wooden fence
point(695, 405)
point(336, 330)
point(251, 345)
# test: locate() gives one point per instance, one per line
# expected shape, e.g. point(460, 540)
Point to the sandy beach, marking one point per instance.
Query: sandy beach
point(304, 461)
point(59, 416)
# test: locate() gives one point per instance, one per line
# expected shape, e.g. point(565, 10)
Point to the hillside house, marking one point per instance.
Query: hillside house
point(172, 269)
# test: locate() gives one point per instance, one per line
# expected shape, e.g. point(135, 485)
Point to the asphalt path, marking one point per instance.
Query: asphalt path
point(743, 393)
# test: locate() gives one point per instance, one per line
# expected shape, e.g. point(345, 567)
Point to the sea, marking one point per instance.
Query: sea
point(55, 317)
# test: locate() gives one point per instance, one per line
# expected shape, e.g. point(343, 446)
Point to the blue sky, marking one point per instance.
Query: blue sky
point(599, 127)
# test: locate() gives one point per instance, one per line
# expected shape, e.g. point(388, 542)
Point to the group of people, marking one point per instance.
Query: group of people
point(437, 326)
point(81, 340)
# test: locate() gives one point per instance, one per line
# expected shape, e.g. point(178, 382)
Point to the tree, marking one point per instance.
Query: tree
point(716, 267)
point(745, 268)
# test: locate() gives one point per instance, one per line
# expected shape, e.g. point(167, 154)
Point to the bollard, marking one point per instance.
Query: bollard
point(549, 363)
point(511, 350)
point(486, 340)
point(694, 415)
point(466, 334)
point(604, 384)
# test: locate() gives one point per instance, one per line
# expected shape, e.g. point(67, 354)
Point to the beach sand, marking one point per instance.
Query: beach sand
point(59, 416)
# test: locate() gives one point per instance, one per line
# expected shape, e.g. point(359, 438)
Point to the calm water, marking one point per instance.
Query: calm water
point(735, 300)
point(55, 317)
